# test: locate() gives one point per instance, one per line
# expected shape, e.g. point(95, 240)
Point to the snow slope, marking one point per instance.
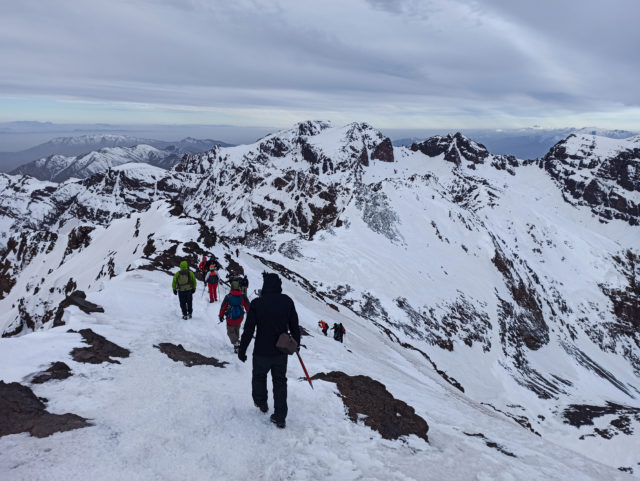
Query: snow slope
point(156, 419)
point(469, 284)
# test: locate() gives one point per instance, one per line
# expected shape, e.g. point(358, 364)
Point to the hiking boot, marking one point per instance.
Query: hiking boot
point(189, 316)
point(184, 316)
point(280, 423)
point(236, 347)
point(263, 407)
point(210, 301)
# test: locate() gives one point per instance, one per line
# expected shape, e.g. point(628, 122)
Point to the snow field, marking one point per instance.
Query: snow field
point(157, 419)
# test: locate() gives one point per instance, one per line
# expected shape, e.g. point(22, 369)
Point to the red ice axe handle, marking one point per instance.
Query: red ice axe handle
point(305, 370)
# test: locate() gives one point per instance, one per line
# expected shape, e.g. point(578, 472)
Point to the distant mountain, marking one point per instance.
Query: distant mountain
point(599, 172)
point(82, 144)
point(58, 168)
point(527, 143)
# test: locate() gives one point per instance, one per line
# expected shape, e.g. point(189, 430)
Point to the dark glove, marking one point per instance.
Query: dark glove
point(242, 356)
point(221, 318)
point(193, 291)
point(175, 293)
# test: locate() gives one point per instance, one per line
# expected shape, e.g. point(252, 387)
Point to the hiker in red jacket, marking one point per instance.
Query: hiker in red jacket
point(324, 326)
point(202, 267)
point(234, 305)
point(212, 282)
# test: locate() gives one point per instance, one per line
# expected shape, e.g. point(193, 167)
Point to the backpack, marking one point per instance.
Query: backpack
point(184, 281)
point(235, 310)
point(234, 285)
point(212, 279)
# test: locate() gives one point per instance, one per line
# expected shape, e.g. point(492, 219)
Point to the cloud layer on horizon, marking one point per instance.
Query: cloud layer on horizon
point(391, 62)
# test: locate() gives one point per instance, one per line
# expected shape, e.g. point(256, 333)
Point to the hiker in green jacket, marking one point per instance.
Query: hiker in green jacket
point(184, 285)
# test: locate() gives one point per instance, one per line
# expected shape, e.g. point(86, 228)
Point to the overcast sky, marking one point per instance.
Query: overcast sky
point(392, 63)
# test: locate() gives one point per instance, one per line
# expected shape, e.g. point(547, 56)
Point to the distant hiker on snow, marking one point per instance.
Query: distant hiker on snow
point(338, 331)
point(184, 285)
point(273, 313)
point(234, 306)
point(237, 253)
point(212, 282)
point(202, 267)
point(324, 326)
point(244, 284)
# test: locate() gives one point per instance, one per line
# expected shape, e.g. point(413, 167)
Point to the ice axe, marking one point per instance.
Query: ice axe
point(304, 369)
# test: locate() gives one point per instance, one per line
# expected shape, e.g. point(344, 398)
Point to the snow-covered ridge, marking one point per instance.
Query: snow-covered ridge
point(58, 168)
point(479, 272)
point(82, 156)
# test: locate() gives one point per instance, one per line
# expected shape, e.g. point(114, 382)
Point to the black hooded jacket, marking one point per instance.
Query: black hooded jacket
point(272, 314)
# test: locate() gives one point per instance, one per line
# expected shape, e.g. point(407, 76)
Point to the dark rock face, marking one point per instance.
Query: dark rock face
point(21, 411)
point(389, 416)
point(312, 127)
point(626, 306)
point(57, 370)
point(79, 299)
point(188, 358)
point(78, 238)
point(527, 323)
point(100, 350)
point(463, 151)
point(620, 418)
point(169, 260)
point(455, 148)
point(18, 253)
point(460, 320)
point(492, 444)
point(383, 151)
point(599, 180)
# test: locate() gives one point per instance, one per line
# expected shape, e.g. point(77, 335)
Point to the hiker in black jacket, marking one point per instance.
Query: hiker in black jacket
point(273, 313)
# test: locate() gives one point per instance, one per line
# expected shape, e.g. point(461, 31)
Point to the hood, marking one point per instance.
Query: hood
point(184, 266)
point(271, 283)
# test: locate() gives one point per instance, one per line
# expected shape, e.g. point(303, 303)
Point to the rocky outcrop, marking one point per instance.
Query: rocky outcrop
point(463, 151)
point(57, 370)
point(456, 148)
point(383, 151)
point(100, 349)
point(368, 400)
point(492, 444)
point(188, 358)
point(622, 419)
point(78, 299)
point(21, 411)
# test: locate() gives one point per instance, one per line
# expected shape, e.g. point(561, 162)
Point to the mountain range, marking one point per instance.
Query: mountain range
point(38, 160)
point(495, 298)
point(526, 143)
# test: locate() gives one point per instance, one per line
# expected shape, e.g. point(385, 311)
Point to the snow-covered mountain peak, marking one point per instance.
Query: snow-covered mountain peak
point(601, 172)
point(59, 168)
point(462, 151)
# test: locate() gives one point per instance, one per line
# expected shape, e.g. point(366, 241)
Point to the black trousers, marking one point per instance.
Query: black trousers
point(186, 302)
point(278, 367)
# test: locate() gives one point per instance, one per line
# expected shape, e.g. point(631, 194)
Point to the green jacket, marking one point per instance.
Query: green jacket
point(184, 286)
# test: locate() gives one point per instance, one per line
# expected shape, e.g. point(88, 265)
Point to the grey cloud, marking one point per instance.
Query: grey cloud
point(330, 55)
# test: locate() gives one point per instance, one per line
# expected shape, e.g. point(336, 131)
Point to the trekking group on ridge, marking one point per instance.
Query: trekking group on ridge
point(270, 315)
point(338, 329)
